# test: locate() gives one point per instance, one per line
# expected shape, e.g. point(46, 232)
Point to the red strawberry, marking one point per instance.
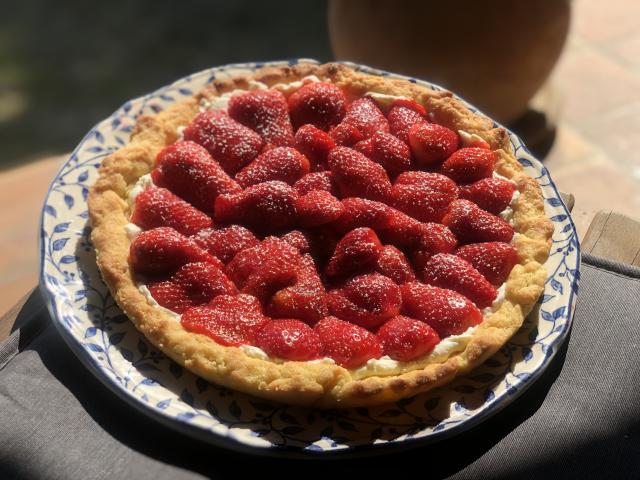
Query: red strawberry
point(490, 194)
point(163, 250)
point(170, 295)
point(284, 164)
point(266, 112)
point(348, 344)
point(267, 207)
point(314, 144)
point(305, 299)
point(316, 181)
point(494, 260)
point(357, 249)
point(434, 238)
point(188, 170)
point(346, 134)
point(390, 152)
point(318, 103)
point(229, 320)
point(225, 242)
point(410, 104)
point(471, 224)
point(402, 117)
point(455, 273)
point(266, 268)
point(297, 240)
point(229, 142)
point(203, 282)
point(365, 115)
point(158, 207)
point(359, 212)
point(367, 300)
point(446, 311)
point(469, 165)
point(289, 339)
point(357, 176)
point(392, 263)
point(318, 208)
point(406, 339)
point(432, 143)
point(424, 196)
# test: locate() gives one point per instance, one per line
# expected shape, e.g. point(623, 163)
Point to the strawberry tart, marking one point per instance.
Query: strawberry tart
point(320, 236)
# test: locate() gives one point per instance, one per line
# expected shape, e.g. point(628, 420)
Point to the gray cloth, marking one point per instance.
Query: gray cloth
point(581, 419)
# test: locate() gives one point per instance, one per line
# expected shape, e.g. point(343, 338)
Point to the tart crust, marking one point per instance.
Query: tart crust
point(315, 384)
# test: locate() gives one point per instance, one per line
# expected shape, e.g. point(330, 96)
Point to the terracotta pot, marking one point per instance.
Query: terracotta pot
point(495, 54)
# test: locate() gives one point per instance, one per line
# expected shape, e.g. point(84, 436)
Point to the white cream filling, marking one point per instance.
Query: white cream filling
point(383, 100)
point(472, 140)
point(289, 88)
point(143, 182)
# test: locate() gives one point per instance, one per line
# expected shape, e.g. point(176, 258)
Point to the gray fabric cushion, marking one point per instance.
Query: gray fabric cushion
point(580, 420)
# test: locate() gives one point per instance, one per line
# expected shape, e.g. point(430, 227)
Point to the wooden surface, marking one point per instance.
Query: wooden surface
point(614, 236)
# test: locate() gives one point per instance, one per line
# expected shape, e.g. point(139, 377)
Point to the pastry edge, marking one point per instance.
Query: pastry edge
point(304, 383)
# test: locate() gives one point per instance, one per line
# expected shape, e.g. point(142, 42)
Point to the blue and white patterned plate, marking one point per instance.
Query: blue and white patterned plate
point(104, 339)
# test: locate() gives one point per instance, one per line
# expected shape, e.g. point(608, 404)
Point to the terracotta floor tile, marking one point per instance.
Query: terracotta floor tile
point(570, 148)
point(601, 21)
point(627, 51)
point(19, 261)
point(617, 134)
point(591, 84)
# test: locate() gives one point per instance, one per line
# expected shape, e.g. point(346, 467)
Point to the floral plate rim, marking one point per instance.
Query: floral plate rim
point(49, 285)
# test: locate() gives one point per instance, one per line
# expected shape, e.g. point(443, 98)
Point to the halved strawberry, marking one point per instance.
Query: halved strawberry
point(225, 242)
point(358, 249)
point(162, 251)
point(446, 311)
point(289, 339)
point(424, 196)
point(433, 238)
point(229, 320)
point(367, 300)
point(203, 282)
point(305, 299)
point(366, 116)
point(314, 144)
point(316, 181)
point(170, 295)
point(346, 134)
point(266, 207)
point(298, 240)
point(389, 151)
point(490, 194)
point(188, 170)
point(357, 176)
point(406, 339)
point(360, 212)
point(469, 165)
point(455, 273)
point(432, 143)
point(318, 208)
point(284, 164)
point(404, 116)
point(392, 263)
point(471, 224)
point(348, 344)
point(318, 103)
point(494, 260)
point(229, 142)
point(266, 268)
point(266, 112)
point(158, 207)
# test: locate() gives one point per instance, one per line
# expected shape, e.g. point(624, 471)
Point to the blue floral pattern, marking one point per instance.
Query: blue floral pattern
point(103, 338)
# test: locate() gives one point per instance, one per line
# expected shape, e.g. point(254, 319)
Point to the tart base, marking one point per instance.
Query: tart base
point(314, 384)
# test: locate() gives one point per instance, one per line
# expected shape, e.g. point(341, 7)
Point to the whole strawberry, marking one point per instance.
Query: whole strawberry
point(471, 224)
point(289, 339)
point(469, 165)
point(317, 103)
point(431, 143)
point(284, 164)
point(348, 344)
point(407, 339)
point(494, 260)
point(490, 194)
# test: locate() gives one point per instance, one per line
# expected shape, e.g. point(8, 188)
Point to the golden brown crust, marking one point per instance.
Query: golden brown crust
point(314, 383)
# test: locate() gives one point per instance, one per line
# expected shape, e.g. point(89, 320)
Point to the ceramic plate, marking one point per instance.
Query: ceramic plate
point(104, 339)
